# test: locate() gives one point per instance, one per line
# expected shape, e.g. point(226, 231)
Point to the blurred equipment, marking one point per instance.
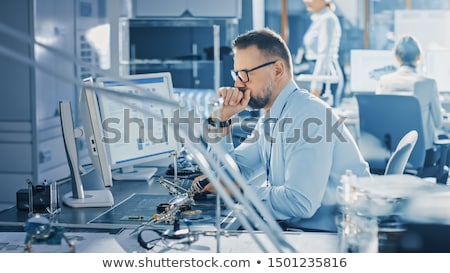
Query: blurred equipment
point(40, 231)
point(170, 213)
point(393, 213)
point(426, 223)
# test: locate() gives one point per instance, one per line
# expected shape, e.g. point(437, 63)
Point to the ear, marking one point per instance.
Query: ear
point(279, 68)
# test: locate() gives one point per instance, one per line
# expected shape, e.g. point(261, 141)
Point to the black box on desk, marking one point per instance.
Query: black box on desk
point(42, 198)
point(22, 199)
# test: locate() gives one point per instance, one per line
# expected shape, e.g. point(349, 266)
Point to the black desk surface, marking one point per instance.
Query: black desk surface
point(79, 217)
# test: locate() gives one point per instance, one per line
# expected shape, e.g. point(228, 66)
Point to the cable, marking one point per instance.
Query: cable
point(146, 242)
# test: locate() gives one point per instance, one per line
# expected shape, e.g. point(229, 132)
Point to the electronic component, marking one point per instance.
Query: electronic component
point(184, 167)
point(40, 230)
point(41, 198)
point(192, 214)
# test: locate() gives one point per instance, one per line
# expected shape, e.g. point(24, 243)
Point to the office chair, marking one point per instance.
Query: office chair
point(384, 120)
point(399, 158)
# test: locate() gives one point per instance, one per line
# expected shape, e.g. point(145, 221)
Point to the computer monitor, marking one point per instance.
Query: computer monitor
point(99, 178)
point(437, 67)
point(367, 66)
point(90, 117)
point(132, 135)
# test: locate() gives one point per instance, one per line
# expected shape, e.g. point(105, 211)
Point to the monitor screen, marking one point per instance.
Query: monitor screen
point(367, 66)
point(137, 132)
point(437, 66)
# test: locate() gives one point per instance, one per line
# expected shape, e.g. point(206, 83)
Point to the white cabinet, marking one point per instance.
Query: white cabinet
point(31, 143)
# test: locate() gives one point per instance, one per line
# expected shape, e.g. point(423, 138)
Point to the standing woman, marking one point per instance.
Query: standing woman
point(321, 44)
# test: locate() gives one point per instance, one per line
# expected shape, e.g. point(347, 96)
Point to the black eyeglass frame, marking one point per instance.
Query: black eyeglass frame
point(235, 74)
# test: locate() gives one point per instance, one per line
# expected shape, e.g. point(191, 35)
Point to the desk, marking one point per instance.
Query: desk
point(79, 217)
point(239, 242)
point(102, 238)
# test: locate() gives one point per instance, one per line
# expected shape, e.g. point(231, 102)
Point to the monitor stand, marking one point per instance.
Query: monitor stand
point(90, 198)
point(134, 173)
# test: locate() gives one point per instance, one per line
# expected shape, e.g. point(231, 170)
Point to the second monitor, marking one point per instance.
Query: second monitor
point(367, 66)
point(137, 132)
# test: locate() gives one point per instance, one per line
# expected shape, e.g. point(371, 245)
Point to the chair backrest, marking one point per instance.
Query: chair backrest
point(397, 162)
point(390, 117)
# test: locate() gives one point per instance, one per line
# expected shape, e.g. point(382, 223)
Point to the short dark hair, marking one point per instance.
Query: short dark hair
point(408, 49)
point(266, 40)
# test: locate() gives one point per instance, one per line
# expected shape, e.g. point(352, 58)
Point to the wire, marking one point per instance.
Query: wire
point(149, 244)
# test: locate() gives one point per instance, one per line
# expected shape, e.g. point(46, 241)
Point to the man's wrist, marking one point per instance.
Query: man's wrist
point(214, 122)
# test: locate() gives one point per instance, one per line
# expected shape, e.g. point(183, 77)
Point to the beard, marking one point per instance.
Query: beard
point(257, 103)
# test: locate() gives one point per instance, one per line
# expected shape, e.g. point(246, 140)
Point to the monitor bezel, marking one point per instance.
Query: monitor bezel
point(91, 121)
point(150, 159)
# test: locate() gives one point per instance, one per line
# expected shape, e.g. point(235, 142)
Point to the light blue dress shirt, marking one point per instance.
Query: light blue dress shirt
point(304, 162)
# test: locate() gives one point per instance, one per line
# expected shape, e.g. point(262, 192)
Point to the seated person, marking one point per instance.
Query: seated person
point(406, 80)
point(299, 146)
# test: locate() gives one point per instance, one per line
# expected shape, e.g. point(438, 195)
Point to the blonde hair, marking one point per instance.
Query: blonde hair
point(408, 50)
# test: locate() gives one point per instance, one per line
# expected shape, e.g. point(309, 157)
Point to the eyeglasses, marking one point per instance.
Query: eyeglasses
point(243, 74)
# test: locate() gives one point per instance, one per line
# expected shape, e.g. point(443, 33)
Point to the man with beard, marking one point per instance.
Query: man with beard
point(299, 145)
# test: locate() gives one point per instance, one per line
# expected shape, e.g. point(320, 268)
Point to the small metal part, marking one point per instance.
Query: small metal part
point(192, 214)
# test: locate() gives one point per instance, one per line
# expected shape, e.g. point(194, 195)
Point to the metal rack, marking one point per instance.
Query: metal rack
point(164, 48)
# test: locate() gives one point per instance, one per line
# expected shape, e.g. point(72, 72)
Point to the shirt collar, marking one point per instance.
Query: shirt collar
point(281, 100)
point(321, 13)
point(407, 68)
